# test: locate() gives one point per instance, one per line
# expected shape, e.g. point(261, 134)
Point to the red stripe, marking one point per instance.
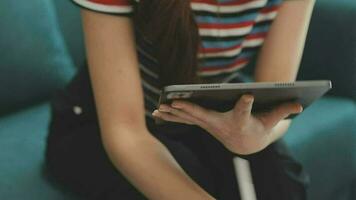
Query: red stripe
point(269, 9)
point(112, 2)
point(225, 26)
point(215, 2)
point(218, 68)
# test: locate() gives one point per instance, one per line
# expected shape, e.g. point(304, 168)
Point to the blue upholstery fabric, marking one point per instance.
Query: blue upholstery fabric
point(323, 138)
point(22, 143)
point(71, 29)
point(33, 58)
point(34, 61)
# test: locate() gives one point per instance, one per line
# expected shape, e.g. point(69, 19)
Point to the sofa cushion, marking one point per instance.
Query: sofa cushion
point(34, 60)
point(22, 143)
point(323, 138)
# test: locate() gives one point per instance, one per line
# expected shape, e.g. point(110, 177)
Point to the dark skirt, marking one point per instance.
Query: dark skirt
point(75, 156)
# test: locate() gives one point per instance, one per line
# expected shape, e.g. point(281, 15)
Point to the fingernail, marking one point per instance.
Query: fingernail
point(248, 98)
point(301, 109)
point(155, 112)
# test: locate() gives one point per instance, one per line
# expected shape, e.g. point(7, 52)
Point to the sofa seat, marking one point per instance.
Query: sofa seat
point(323, 138)
point(22, 142)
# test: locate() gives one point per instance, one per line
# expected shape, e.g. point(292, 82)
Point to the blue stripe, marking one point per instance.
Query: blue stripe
point(221, 44)
point(273, 3)
point(223, 63)
point(230, 20)
point(260, 29)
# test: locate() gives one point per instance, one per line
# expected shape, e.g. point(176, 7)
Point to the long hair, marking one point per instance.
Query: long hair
point(170, 25)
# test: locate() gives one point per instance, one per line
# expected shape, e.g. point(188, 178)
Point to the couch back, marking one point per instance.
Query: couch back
point(330, 51)
point(69, 21)
point(34, 60)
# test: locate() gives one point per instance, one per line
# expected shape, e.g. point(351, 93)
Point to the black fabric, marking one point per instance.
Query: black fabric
point(76, 158)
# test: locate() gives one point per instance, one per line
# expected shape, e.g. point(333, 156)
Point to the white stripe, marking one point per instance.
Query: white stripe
point(150, 87)
point(228, 53)
point(236, 67)
point(149, 72)
point(234, 52)
point(254, 43)
point(266, 16)
point(225, 32)
point(228, 8)
point(104, 8)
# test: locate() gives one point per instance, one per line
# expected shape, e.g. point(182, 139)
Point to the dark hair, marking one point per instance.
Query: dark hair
point(170, 25)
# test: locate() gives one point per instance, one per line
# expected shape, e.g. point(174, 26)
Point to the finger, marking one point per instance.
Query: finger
point(169, 117)
point(186, 116)
point(194, 110)
point(271, 118)
point(243, 106)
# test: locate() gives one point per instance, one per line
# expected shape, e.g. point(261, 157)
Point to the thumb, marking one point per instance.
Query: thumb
point(243, 106)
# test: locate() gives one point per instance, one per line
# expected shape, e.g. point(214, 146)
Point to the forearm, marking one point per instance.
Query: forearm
point(282, 51)
point(150, 167)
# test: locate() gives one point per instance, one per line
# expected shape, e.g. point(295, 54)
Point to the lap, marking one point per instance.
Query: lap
point(78, 159)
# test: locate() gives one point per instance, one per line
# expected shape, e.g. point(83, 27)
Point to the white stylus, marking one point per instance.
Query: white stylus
point(244, 179)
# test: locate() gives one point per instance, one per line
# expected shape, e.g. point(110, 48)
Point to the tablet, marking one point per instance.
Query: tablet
point(223, 96)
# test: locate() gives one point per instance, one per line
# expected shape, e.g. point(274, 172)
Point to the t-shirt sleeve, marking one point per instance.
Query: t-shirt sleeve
point(119, 7)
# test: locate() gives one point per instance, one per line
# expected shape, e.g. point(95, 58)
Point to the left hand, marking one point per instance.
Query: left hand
point(239, 130)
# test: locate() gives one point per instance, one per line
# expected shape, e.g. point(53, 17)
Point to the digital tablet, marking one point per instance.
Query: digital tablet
point(223, 96)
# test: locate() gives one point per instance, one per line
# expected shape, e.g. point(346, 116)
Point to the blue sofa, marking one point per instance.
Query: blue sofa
point(41, 47)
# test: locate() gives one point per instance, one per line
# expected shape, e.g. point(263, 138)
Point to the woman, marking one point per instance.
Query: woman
point(103, 142)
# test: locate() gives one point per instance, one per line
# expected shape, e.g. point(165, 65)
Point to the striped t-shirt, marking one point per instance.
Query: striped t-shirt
point(231, 33)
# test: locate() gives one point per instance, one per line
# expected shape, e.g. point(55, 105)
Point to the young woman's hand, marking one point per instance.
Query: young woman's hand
point(239, 130)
